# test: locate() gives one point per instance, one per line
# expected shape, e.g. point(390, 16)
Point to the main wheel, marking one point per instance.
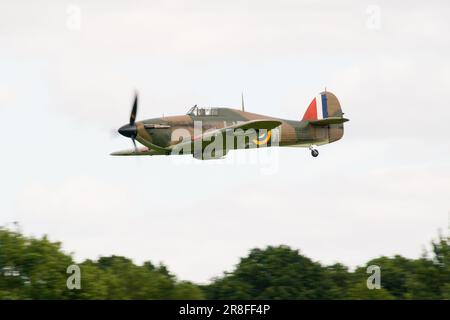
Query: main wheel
point(314, 153)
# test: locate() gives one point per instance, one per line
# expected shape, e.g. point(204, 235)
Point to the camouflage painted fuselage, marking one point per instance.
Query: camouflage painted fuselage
point(292, 133)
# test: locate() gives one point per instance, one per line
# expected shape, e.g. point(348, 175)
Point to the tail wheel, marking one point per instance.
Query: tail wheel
point(314, 153)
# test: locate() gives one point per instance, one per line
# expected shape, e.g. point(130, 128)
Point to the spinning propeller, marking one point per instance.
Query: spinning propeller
point(130, 130)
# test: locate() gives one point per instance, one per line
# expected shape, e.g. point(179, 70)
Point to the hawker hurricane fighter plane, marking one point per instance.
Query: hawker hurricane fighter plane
point(209, 133)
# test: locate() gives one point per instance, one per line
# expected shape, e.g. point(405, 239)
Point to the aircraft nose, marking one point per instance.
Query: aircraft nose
point(128, 130)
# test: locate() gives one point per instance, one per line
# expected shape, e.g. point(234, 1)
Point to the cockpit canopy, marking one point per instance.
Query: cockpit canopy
point(202, 112)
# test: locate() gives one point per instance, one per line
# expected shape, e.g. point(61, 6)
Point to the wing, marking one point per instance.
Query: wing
point(144, 151)
point(157, 149)
point(264, 124)
point(150, 149)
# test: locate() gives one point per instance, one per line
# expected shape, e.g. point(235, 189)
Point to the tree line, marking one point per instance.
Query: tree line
point(36, 268)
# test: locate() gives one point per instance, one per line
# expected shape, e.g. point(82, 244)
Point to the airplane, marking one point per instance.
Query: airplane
point(209, 133)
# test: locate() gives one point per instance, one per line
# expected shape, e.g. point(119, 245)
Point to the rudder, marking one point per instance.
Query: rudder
point(325, 105)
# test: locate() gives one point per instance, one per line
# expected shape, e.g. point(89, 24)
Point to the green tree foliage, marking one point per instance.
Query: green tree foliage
point(423, 278)
point(273, 273)
point(33, 268)
point(36, 269)
point(340, 279)
point(283, 273)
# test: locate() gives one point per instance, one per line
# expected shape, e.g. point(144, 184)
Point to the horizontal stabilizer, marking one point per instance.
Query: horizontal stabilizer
point(328, 121)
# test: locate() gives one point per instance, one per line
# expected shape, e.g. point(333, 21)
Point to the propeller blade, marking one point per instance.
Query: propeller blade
point(134, 109)
point(130, 130)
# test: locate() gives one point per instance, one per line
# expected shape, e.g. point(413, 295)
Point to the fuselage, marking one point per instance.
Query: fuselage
point(168, 131)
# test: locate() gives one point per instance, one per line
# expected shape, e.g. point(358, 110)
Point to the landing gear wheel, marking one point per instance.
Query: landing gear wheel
point(314, 153)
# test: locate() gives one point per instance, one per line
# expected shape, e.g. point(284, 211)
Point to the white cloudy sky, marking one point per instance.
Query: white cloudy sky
point(383, 189)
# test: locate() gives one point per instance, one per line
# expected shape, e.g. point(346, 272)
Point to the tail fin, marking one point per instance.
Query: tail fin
point(324, 106)
point(325, 113)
